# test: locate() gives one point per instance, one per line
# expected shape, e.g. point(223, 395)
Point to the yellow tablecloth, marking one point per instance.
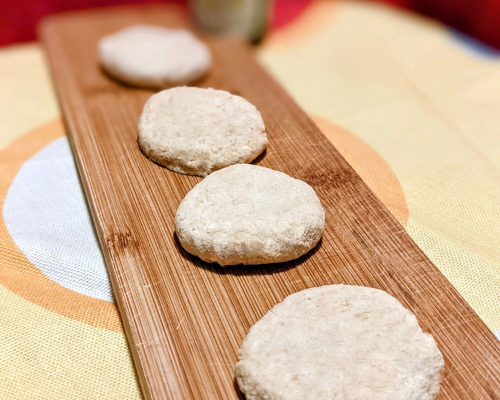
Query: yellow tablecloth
point(420, 112)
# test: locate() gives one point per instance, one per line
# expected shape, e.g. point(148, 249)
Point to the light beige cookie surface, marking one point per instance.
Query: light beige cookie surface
point(339, 342)
point(246, 214)
point(152, 56)
point(197, 131)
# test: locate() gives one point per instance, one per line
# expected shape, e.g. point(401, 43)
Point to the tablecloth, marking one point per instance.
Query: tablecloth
point(419, 111)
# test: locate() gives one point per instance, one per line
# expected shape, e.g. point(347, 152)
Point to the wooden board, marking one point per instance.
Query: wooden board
point(186, 319)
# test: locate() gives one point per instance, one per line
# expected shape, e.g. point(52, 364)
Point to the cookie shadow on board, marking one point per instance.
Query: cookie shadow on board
point(241, 396)
point(260, 269)
point(260, 157)
point(119, 84)
point(199, 82)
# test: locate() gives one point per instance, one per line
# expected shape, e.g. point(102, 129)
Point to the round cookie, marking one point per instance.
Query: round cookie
point(246, 214)
point(197, 131)
point(154, 57)
point(339, 342)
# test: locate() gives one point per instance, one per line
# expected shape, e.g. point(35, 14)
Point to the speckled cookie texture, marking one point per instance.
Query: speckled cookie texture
point(246, 214)
point(197, 131)
point(154, 57)
point(339, 342)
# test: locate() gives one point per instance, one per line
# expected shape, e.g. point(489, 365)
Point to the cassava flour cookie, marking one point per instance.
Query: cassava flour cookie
point(246, 214)
point(152, 56)
point(339, 342)
point(197, 131)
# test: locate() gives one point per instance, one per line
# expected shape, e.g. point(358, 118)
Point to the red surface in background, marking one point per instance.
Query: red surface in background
point(478, 18)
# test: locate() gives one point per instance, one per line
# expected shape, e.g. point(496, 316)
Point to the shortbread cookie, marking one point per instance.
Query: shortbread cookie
point(155, 57)
point(197, 131)
point(246, 214)
point(339, 342)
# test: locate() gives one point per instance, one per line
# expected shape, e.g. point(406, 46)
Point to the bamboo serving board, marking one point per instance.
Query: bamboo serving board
point(185, 320)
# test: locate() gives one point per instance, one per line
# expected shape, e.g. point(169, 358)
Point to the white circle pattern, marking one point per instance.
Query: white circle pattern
point(46, 214)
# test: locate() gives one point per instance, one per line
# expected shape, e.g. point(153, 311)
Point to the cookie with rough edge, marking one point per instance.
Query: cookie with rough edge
point(197, 131)
point(339, 342)
point(246, 214)
point(154, 57)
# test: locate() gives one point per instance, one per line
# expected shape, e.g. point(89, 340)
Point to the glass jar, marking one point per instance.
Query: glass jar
point(245, 18)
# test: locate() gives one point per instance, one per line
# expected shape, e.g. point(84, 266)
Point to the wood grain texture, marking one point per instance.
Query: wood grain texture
point(185, 319)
